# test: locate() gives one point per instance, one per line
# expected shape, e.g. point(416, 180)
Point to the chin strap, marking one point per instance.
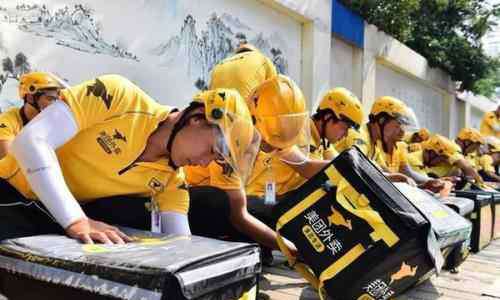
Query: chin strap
point(24, 118)
point(178, 127)
point(325, 143)
point(382, 135)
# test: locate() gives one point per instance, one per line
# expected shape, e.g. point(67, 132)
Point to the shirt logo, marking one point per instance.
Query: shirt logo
point(119, 136)
point(227, 170)
point(3, 125)
point(109, 143)
point(98, 90)
point(156, 185)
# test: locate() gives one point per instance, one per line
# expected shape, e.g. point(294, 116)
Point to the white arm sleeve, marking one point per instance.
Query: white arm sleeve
point(34, 149)
point(174, 223)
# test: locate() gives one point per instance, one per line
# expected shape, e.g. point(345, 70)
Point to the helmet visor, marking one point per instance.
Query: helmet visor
point(289, 135)
point(408, 120)
point(237, 144)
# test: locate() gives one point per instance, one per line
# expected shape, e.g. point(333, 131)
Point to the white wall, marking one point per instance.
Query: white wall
point(476, 115)
point(427, 102)
point(341, 69)
point(475, 107)
point(391, 68)
point(315, 16)
point(160, 48)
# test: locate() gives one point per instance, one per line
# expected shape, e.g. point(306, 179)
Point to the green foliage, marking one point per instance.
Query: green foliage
point(488, 85)
point(446, 32)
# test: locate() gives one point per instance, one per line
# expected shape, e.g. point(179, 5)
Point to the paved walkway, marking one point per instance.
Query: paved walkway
point(478, 279)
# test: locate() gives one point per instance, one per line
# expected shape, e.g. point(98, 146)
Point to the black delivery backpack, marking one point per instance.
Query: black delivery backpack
point(357, 235)
point(453, 232)
point(153, 267)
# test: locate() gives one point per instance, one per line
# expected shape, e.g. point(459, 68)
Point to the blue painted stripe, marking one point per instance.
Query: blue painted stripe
point(347, 24)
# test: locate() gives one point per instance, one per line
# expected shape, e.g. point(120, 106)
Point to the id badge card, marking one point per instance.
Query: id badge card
point(270, 195)
point(155, 218)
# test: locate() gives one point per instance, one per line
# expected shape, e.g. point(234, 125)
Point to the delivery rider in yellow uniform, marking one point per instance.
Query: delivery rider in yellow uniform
point(415, 139)
point(475, 150)
point(337, 123)
point(113, 139)
point(38, 90)
point(243, 71)
point(12, 121)
point(493, 144)
point(214, 189)
point(279, 110)
point(490, 125)
point(388, 120)
point(441, 158)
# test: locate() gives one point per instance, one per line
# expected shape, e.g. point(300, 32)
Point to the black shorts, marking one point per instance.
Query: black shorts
point(21, 217)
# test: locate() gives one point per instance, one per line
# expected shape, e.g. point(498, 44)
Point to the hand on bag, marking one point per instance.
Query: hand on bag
point(89, 231)
point(433, 185)
point(398, 177)
point(452, 179)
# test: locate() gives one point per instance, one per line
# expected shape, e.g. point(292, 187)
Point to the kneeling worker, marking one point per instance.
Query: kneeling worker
point(112, 139)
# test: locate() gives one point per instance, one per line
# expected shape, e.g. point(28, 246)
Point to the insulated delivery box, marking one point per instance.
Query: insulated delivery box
point(453, 232)
point(152, 267)
point(482, 218)
point(496, 214)
point(357, 235)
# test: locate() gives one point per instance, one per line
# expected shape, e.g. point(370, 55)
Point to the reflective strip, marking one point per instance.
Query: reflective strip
point(28, 204)
point(359, 206)
point(250, 295)
point(300, 208)
point(342, 263)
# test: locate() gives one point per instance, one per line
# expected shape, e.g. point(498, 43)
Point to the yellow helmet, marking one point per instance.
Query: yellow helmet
point(280, 113)
point(396, 109)
point(441, 145)
point(35, 82)
point(470, 134)
point(424, 134)
point(239, 141)
point(344, 104)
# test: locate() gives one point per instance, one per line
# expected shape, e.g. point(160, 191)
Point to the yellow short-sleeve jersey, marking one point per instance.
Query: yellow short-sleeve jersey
point(269, 167)
point(416, 162)
point(353, 138)
point(11, 123)
point(115, 119)
point(214, 175)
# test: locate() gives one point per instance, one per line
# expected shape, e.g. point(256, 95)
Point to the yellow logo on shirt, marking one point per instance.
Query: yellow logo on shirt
point(156, 185)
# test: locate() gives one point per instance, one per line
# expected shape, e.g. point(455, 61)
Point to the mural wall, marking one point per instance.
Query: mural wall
point(427, 103)
point(168, 47)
